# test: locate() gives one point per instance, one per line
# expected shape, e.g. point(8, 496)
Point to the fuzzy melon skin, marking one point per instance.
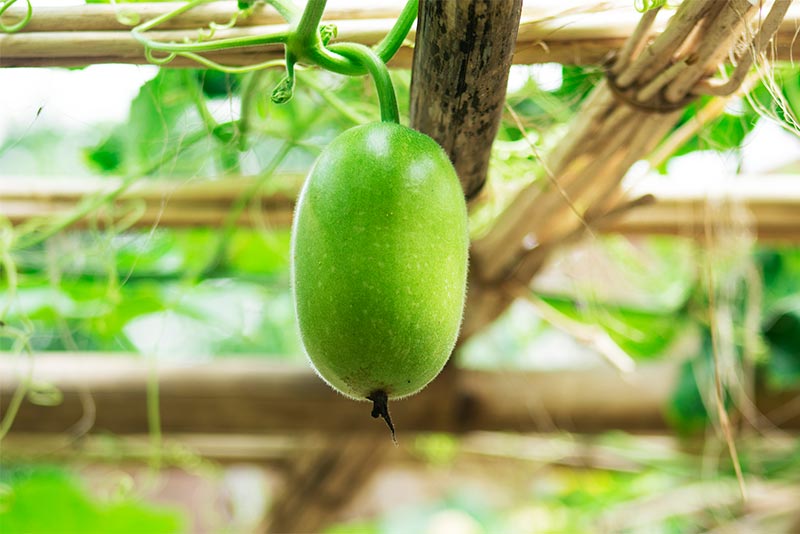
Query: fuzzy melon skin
point(379, 261)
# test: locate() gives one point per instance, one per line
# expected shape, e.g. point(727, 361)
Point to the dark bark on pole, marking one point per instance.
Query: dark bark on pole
point(460, 71)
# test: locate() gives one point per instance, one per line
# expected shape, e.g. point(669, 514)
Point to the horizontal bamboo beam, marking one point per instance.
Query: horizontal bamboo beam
point(177, 449)
point(262, 396)
point(568, 32)
point(147, 203)
point(109, 17)
point(768, 206)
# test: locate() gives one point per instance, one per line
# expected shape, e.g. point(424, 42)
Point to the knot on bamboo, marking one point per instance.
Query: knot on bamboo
point(643, 98)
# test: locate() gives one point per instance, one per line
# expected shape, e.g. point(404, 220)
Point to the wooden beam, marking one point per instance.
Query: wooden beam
point(109, 17)
point(147, 203)
point(174, 450)
point(462, 57)
point(766, 205)
point(261, 396)
point(568, 32)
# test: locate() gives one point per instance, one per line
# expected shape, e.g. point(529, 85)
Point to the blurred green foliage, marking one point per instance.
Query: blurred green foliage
point(104, 301)
point(47, 500)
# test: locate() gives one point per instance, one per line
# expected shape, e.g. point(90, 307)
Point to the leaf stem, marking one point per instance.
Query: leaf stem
point(385, 50)
point(283, 7)
point(218, 44)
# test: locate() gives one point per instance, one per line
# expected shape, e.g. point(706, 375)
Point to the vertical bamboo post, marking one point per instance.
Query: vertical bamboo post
point(458, 87)
point(321, 482)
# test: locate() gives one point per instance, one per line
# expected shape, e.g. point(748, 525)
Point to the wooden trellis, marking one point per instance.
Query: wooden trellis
point(659, 65)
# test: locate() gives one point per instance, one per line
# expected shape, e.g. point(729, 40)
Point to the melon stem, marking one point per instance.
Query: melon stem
point(380, 408)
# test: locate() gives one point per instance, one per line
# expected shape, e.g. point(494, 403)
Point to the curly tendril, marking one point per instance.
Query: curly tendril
point(18, 25)
point(305, 42)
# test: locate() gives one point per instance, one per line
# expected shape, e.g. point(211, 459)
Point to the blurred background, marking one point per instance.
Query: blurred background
point(602, 412)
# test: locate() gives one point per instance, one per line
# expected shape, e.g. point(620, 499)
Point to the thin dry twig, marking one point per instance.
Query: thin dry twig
point(635, 43)
point(656, 84)
point(765, 34)
point(715, 45)
point(719, 391)
point(590, 335)
point(701, 118)
point(659, 54)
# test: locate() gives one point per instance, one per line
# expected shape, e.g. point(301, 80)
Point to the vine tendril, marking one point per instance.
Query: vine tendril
point(13, 28)
point(305, 41)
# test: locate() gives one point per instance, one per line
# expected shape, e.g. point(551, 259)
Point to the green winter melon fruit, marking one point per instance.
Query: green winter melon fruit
point(379, 262)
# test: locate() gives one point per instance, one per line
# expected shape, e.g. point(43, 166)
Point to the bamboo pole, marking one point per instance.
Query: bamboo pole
point(176, 449)
point(565, 32)
point(109, 17)
point(674, 207)
point(262, 396)
point(322, 482)
point(458, 87)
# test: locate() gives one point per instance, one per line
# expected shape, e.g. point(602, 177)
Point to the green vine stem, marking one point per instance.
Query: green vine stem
point(392, 41)
point(305, 35)
point(191, 50)
point(210, 46)
point(19, 25)
point(379, 72)
point(302, 40)
point(385, 49)
point(305, 42)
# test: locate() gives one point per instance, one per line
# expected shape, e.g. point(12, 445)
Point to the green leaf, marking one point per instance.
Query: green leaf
point(725, 133)
point(577, 83)
point(641, 334)
point(780, 269)
point(41, 500)
point(153, 131)
point(217, 84)
point(786, 107)
point(252, 252)
point(783, 338)
point(686, 411)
